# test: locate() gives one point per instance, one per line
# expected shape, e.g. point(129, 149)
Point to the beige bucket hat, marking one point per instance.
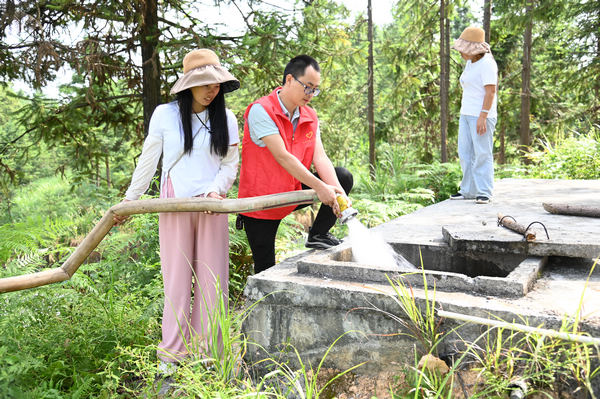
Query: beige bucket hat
point(472, 41)
point(202, 67)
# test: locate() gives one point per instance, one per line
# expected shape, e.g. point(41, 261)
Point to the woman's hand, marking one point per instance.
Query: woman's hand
point(481, 125)
point(214, 195)
point(118, 218)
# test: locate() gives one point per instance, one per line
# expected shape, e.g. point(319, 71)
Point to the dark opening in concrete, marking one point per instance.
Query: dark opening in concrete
point(444, 259)
point(509, 275)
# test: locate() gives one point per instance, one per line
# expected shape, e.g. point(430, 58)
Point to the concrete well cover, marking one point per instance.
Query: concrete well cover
point(572, 236)
point(578, 239)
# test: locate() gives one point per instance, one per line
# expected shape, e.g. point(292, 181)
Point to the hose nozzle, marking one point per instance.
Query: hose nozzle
point(347, 212)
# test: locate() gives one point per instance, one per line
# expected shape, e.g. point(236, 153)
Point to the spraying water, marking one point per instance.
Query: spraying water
point(369, 247)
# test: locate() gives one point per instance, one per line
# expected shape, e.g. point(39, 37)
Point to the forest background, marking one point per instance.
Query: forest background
point(65, 159)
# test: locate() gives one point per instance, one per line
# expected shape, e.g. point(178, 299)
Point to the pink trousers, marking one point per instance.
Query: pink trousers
point(194, 253)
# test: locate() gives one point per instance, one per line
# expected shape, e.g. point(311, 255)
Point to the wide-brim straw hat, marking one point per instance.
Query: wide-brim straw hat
point(202, 67)
point(472, 41)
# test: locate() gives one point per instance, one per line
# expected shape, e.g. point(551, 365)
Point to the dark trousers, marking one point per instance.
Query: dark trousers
point(261, 232)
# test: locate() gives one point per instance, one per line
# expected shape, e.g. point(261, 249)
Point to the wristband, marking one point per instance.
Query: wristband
point(485, 110)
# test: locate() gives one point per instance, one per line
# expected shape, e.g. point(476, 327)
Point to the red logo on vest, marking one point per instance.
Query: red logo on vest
point(309, 134)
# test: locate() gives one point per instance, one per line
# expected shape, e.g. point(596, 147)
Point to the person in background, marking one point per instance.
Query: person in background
point(281, 142)
point(198, 139)
point(478, 116)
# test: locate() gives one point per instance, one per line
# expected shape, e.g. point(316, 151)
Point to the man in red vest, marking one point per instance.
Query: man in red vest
point(281, 142)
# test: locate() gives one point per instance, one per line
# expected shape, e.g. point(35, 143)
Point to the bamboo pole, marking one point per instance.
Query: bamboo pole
point(511, 224)
point(101, 229)
point(584, 339)
point(572, 209)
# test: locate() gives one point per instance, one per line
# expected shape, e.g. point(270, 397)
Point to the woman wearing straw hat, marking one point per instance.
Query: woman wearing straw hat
point(479, 82)
point(197, 137)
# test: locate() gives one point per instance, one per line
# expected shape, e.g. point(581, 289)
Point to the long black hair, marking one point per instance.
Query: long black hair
point(219, 134)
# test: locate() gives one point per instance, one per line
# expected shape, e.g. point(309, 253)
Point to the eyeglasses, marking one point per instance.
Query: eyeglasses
point(308, 90)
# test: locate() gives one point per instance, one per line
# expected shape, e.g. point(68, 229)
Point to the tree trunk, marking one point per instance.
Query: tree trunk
point(107, 169)
point(502, 153)
point(572, 209)
point(526, 82)
point(370, 100)
point(97, 170)
point(487, 16)
point(149, 35)
point(444, 78)
point(596, 117)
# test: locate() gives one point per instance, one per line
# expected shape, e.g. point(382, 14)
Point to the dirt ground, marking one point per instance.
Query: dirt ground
point(385, 385)
point(352, 386)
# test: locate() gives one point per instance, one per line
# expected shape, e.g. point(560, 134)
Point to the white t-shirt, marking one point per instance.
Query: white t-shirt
point(196, 173)
point(473, 79)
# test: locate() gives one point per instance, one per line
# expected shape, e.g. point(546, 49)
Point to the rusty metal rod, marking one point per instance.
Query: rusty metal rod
point(510, 223)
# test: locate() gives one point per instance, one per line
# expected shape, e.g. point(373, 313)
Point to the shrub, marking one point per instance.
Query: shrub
point(576, 157)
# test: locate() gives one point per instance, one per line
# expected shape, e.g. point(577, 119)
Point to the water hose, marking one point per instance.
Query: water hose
point(584, 339)
point(91, 241)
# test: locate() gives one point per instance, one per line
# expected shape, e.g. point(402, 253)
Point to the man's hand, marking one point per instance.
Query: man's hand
point(327, 195)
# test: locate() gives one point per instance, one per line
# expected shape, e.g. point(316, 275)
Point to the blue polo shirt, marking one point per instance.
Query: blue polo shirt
point(261, 125)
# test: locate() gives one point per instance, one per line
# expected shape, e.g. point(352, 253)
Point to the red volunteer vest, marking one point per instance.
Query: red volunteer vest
point(260, 174)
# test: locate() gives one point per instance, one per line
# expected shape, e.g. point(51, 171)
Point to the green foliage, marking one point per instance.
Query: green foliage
point(544, 363)
point(216, 368)
point(303, 382)
point(22, 158)
point(44, 218)
point(547, 364)
point(576, 157)
point(372, 213)
point(398, 177)
point(418, 319)
point(57, 338)
point(240, 259)
point(422, 323)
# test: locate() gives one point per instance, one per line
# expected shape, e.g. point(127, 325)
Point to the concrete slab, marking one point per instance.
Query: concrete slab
point(443, 268)
point(310, 310)
point(573, 236)
point(565, 240)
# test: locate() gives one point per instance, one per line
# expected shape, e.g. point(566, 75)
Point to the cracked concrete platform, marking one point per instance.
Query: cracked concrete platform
point(310, 312)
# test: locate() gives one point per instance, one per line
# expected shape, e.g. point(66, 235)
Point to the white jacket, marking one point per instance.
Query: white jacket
point(196, 173)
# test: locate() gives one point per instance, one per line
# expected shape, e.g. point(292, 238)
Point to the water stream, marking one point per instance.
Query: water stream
point(369, 247)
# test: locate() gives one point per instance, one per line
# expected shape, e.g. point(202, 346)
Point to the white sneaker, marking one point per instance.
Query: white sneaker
point(167, 368)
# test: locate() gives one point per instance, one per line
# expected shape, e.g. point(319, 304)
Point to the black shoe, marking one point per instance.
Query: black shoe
point(457, 196)
point(322, 241)
point(482, 200)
